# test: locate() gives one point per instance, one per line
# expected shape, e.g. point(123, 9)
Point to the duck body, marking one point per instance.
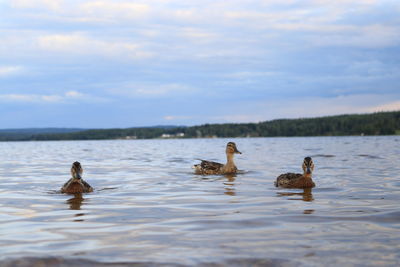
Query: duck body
point(297, 180)
point(294, 180)
point(210, 167)
point(76, 184)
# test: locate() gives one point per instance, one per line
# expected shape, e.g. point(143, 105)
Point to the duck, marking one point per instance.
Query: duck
point(76, 184)
point(297, 180)
point(210, 167)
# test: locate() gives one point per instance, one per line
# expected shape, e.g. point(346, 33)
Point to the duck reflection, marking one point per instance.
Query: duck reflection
point(230, 184)
point(75, 202)
point(308, 211)
point(306, 195)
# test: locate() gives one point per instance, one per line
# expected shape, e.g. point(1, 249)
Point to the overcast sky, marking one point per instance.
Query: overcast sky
point(102, 64)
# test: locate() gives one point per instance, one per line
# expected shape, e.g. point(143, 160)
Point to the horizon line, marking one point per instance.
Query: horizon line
point(186, 126)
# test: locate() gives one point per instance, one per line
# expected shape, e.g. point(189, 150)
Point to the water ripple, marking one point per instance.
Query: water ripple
point(149, 208)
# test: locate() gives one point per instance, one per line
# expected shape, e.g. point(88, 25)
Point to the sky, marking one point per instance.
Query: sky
point(110, 63)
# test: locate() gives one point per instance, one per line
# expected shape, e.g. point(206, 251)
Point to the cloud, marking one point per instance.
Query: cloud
point(114, 10)
point(391, 106)
point(194, 62)
point(30, 98)
point(238, 118)
point(83, 45)
point(74, 94)
point(321, 23)
point(303, 107)
point(6, 71)
point(67, 97)
point(85, 11)
point(165, 89)
point(177, 118)
point(371, 36)
point(324, 106)
point(37, 4)
point(250, 74)
point(152, 90)
point(198, 35)
point(215, 29)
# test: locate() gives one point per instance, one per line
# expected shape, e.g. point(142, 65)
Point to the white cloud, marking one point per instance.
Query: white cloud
point(320, 23)
point(176, 118)
point(213, 29)
point(391, 106)
point(257, 111)
point(198, 35)
point(251, 74)
point(6, 71)
point(95, 11)
point(114, 10)
point(68, 97)
point(341, 3)
point(163, 89)
point(152, 90)
point(204, 52)
point(319, 106)
point(238, 118)
point(74, 94)
point(30, 98)
point(371, 36)
point(37, 4)
point(81, 44)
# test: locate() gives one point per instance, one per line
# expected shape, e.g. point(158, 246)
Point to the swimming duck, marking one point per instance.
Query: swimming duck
point(210, 167)
point(297, 180)
point(76, 184)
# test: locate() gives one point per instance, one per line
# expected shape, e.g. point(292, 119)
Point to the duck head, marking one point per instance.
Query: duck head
point(76, 171)
point(232, 149)
point(308, 166)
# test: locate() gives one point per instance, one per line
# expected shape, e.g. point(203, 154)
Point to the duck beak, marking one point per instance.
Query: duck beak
point(237, 151)
point(78, 176)
point(308, 170)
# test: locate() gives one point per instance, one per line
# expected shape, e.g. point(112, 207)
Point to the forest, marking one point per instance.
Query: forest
point(380, 123)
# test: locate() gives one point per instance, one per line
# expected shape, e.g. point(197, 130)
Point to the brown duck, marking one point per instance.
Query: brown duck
point(210, 167)
point(297, 180)
point(76, 184)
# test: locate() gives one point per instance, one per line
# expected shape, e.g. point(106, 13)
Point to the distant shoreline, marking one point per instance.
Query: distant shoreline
point(373, 124)
point(199, 138)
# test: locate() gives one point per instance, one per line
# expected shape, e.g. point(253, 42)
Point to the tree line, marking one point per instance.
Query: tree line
point(381, 123)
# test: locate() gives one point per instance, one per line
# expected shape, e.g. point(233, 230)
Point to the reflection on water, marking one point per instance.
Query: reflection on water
point(230, 184)
point(322, 156)
point(148, 207)
point(308, 211)
point(305, 195)
point(75, 202)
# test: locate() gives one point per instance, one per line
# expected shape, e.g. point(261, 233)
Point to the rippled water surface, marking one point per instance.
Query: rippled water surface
point(149, 207)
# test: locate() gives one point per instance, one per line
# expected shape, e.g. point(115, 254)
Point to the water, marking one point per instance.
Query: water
point(148, 206)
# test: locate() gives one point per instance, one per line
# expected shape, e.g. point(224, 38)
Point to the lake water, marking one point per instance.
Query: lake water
point(149, 207)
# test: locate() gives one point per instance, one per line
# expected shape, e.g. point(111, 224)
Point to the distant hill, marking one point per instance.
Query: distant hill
point(41, 130)
point(28, 133)
point(381, 123)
